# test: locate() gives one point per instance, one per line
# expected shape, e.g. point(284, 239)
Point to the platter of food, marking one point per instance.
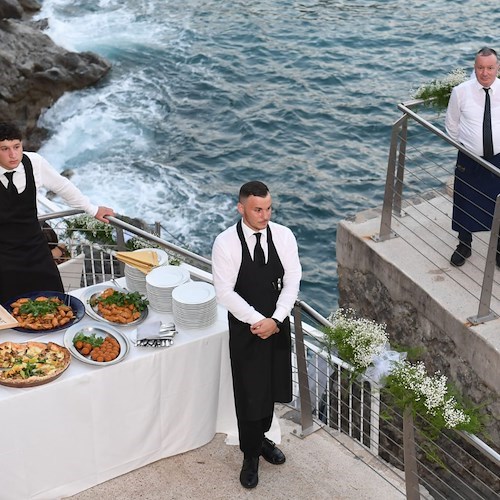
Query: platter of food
point(29, 364)
point(45, 311)
point(96, 344)
point(115, 307)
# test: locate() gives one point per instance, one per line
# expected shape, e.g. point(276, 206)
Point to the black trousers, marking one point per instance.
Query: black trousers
point(466, 238)
point(252, 434)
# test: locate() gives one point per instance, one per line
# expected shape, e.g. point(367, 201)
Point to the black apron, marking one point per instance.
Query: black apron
point(26, 263)
point(474, 195)
point(262, 370)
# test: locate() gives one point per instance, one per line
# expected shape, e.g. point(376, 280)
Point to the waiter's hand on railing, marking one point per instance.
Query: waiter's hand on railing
point(103, 212)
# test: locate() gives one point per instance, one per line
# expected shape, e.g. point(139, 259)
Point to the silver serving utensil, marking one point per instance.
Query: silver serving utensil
point(92, 300)
point(118, 286)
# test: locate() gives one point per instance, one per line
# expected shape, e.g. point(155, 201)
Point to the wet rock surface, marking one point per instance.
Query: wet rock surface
point(34, 71)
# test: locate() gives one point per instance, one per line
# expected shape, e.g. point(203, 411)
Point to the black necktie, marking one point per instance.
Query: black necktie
point(11, 187)
point(258, 253)
point(487, 134)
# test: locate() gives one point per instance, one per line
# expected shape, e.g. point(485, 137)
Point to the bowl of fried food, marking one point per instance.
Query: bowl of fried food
point(96, 344)
point(45, 311)
point(116, 307)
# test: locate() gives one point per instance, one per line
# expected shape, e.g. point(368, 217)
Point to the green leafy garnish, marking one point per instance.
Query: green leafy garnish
point(123, 299)
point(93, 339)
point(40, 307)
point(30, 370)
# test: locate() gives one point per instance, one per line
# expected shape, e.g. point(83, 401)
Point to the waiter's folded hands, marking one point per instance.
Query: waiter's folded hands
point(264, 328)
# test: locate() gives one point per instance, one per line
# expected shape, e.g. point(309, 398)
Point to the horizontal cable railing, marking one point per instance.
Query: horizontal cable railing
point(452, 465)
point(419, 194)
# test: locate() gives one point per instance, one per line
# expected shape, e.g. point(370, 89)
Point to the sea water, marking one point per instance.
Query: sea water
point(204, 95)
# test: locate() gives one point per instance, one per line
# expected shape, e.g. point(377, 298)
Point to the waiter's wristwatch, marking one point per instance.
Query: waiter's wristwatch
point(279, 324)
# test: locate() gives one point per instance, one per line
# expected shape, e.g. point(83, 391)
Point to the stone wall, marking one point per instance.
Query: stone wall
point(380, 288)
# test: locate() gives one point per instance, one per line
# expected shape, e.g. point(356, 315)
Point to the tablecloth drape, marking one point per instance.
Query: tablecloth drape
point(95, 423)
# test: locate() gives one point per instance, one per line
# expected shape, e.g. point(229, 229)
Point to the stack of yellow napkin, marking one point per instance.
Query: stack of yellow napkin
point(144, 260)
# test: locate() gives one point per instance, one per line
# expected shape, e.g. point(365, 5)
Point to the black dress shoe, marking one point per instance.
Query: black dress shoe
point(272, 454)
point(462, 252)
point(249, 475)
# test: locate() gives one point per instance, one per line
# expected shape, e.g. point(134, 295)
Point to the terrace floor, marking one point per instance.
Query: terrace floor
point(320, 466)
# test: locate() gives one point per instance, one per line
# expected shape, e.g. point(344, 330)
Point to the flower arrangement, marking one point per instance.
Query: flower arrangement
point(437, 92)
point(92, 229)
point(430, 396)
point(365, 345)
point(357, 341)
point(100, 232)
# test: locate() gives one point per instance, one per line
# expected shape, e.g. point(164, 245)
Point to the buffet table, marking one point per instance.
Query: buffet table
point(95, 423)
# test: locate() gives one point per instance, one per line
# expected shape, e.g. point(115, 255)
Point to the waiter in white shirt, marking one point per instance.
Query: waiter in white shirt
point(26, 263)
point(475, 188)
point(259, 291)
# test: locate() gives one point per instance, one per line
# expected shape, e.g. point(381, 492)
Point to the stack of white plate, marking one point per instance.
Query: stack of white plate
point(136, 279)
point(194, 305)
point(160, 283)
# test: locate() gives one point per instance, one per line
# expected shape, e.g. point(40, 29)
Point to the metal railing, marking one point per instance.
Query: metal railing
point(397, 167)
point(325, 393)
point(456, 465)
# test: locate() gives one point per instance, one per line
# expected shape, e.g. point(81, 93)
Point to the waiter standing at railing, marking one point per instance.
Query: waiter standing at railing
point(256, 272)
point(26, 263)
point(473, 119)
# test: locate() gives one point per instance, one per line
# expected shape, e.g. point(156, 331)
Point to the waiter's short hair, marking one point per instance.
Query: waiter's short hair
point(253, 188)
point(10, 132)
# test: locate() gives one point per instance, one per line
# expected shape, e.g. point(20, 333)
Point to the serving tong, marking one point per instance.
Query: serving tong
point(166, 335)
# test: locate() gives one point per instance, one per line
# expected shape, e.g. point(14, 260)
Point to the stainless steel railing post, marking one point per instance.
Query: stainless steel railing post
point(410, 459)
point(484, 312)
point(386, 219)
point(398, 187)
point(306, 418)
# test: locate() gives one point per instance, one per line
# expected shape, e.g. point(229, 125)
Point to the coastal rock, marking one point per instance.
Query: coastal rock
point(30, 5)
point(36, 72)
point(11, 9)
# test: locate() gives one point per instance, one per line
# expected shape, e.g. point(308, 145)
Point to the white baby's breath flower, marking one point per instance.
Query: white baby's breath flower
point(454, 416)
point(431, 390)
point(437, 93)
point(360, 339)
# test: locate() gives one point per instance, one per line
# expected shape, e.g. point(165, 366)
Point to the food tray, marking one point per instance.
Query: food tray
point(101, 330)
point(73, 302)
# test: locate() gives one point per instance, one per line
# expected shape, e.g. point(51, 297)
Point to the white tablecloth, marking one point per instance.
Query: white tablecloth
point(95, 423)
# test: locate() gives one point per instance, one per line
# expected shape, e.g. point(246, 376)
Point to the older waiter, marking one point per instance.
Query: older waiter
point(473, 119)
point(256, 272)
point(26, 263)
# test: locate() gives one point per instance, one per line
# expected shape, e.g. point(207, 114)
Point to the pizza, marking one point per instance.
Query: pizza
point(31, 363)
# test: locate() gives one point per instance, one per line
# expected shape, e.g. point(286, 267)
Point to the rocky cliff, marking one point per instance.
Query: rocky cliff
point(34, 71)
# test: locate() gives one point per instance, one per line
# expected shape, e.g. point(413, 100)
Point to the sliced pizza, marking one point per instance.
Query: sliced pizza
point(31, 363)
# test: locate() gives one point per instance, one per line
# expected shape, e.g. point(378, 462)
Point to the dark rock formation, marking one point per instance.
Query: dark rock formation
point(35, 72)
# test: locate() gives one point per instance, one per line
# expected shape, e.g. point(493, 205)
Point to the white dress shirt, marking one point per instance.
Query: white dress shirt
point(226, 262)
point(464, 116)
point(47, 177)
